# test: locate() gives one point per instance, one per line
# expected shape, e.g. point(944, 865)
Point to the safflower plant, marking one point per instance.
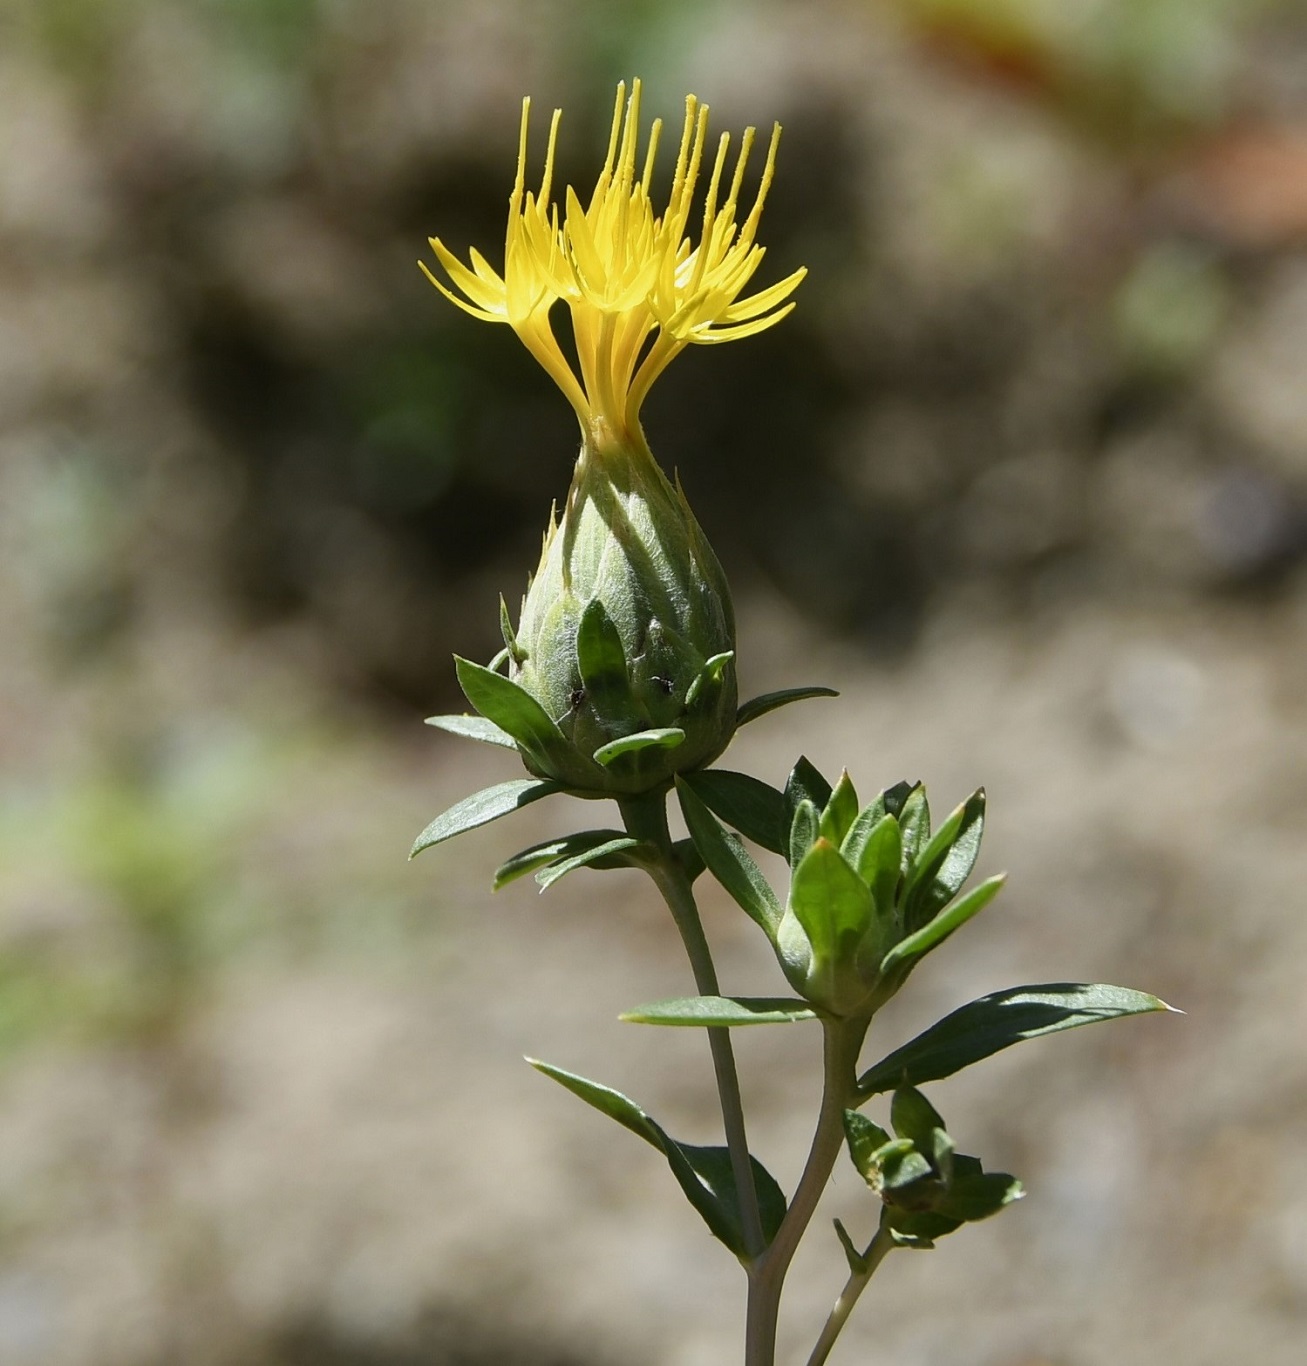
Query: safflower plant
point(619, 683)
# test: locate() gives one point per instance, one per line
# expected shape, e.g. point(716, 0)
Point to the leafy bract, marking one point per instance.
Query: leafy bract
point(769, 701)
point(704, 1174)
point(482, 807)
point(473, 728)
point(722, 1011)
point(992, 1023)
point(754, 808)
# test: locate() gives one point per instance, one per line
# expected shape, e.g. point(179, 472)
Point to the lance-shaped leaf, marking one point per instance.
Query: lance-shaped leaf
point(980, 1195)
point(515, 652)
point(481, 808)
point(804, 828)
point(619, 852)
point(550, 851)
point(992, 1023)
point(704, 1174)
point(602, 662)
point(865, 1140)
point(769, 701)
point(473, 728)
point(914, 823)
point(931, 936)
point(946, 862)
point(513, 709)
point(721, 1012)
point(663, 737)
point(880, 861)
point(831, 902)
point(841, 810)
point(706, 688)
point(806, 784)
point(729, 862)
point(753, 807)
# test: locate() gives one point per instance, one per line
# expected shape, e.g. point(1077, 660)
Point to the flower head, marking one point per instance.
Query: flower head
point(640, 285)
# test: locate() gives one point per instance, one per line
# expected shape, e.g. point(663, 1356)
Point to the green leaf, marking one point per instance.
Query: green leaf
point(690, 859)
point(539, 855)
point(806, 784)
point(901, 1165)
point(602, 662)
point(511, 708)
point(516, 653)
point(704, 1174)
point(880, 864)
point(931, 936)
point(618, 852)
point(481, 808)
point(892, 801)
point(914, 1117)
point(754, 808)
point(918, 1228)
point(707, 682)
point(663, 737)
point(914, 823)
point(857, 1261)
point(831, 902)
point(971, 1198)
point(841, 810)
point(473, 728)
point(769, 701)
point(946, 862)
point(729, 862)
point(803, 831)
point(865, 1140)
point(722, 1011)
point(992, 1023)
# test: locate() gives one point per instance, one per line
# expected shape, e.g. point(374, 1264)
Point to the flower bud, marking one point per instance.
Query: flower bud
point(627, 633)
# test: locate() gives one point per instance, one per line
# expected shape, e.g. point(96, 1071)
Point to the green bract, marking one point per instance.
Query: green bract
point(621, 671)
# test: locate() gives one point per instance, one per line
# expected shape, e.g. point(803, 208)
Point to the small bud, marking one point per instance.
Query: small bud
point(627, 633)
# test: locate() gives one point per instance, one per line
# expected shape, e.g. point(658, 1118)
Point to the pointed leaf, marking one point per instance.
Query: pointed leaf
point(770, 701)
point(914, 822)
point(722, 1011)
point(831, 902)
point(946, 862)
point(481, 808)
point(914, 1117)
point(804, 829)
point(473, 728)
point(805, 783)
point(880, 864)
point(539, 855)
point(707, 682)
point(953, 917)
point(992, 1023)
point(511, 708)
point(708, 1183)
point(856, 1260)
point(841, 810)
point(516, 653)
point(617, 852)
point(729, 862)
point(754, 808)
point(865, 1140)
point(602, 661)
point(664, 737)
point(971, 1198)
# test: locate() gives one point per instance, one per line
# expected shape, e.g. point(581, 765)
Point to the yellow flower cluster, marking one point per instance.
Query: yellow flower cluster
point(638, 286)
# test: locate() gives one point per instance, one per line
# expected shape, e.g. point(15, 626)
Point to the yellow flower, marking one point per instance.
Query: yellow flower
point(639, 285)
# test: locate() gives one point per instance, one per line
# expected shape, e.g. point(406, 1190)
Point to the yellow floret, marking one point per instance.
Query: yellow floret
point(638, 286)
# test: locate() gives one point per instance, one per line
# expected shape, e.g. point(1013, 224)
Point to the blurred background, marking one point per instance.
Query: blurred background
point(1025, 475)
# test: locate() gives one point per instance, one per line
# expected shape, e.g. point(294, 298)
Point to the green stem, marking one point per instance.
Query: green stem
point(646, 819)
point(842, 1041)
point(881, 1244)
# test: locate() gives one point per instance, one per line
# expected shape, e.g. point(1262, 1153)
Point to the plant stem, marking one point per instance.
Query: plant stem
point(842, 1041)
point(646, 819)
point(853, 1287)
